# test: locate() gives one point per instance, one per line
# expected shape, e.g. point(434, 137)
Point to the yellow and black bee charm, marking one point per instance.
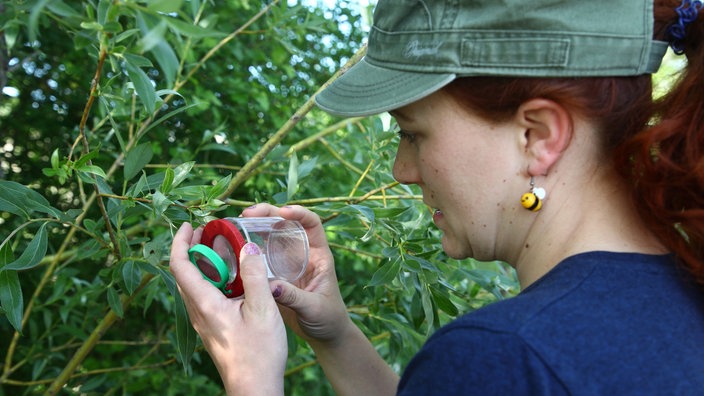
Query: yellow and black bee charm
point(533, 200)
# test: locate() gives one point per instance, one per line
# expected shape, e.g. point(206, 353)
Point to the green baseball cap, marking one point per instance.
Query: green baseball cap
point(416, 47)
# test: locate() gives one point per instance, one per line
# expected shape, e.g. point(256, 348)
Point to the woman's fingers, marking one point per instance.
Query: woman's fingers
point(190, 280)
point(254, 279)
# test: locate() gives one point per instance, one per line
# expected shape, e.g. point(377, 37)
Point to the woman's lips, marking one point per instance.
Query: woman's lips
point(437, 214)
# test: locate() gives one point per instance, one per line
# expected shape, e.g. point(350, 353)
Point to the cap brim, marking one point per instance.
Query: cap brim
point(367, 89)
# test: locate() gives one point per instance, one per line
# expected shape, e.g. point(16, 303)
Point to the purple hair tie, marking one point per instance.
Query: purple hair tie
point(687, 12)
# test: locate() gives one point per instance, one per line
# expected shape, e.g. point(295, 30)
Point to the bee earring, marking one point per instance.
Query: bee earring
point(533, 199)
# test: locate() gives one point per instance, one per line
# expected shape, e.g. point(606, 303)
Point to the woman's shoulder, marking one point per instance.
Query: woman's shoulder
point(591, 313)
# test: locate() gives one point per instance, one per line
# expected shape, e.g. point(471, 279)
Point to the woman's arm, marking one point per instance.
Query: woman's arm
point(314, 309)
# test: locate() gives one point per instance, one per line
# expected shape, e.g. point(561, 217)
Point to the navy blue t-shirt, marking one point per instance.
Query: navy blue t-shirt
point(599, 323)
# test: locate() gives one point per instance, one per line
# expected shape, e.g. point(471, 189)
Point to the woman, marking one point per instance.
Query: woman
point(525, 124)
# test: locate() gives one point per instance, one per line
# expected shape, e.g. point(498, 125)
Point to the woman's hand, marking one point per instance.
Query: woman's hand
point(246, 337)
point(314, 309)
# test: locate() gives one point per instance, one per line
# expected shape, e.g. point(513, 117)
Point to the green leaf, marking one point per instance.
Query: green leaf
point(132, 276)
point(10, 203)
point(11, 31)
point(21, 200)
point(33, 254)
point(386, 274)
point(114, 302)
point(160, 203)
point(167, 60)
point(427, 304)
point(104, 7)
point(191, 30)
point(136, 159)
point(55, 159)
point(92, 26)
point(168, 181)
point(181, 172)
point(153, 30)
point(137, 60)
point(185, 335)
point(5, 255)
point(368, 213)
point(165, 6)
point(37, 9)
point(169, 115)
point(168, 280)
point(142, 85)
point(219, 187)
point(292, 186)
point(95, 170)
point(443, 302)
point(11, 298)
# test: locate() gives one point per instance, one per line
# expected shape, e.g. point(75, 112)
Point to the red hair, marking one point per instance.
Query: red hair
point(656, 145)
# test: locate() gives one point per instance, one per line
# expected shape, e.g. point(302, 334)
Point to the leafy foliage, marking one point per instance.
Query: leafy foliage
point(132, 116)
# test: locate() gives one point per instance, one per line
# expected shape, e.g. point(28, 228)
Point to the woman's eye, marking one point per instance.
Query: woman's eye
point(403, 135)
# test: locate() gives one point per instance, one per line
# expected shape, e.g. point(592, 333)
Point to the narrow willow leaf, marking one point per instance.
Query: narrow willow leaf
point(292, 186)
point(168, 181)
point(33, 254)
point(55, 159)
point(368, 213)
point(95, 170)
point(60, 8)
point(8, 203)
point(218, 188)
point(37, 9)
point(114, 302)
point(185, 335)
point(132, 276)
point(143, 85)
point(165, 6)
point(427, 304)
point(191, 30)
point(386, 274)
point(137, 60)
point(443, 302)
point(21, 200)
point(160, 203)
point(181, 172)
point(11, 298)
point(136, 159)
point(168, 280)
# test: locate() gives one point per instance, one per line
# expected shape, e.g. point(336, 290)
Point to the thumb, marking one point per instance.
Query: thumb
point(290, 296)
point(254, 275)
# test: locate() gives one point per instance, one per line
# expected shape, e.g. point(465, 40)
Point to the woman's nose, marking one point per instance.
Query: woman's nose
point(405, 170)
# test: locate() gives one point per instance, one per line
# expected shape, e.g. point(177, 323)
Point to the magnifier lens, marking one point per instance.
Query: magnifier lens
point(223, 248)
point(206, 267)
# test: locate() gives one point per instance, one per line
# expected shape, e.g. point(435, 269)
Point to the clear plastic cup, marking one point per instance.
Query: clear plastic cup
point(284, 246)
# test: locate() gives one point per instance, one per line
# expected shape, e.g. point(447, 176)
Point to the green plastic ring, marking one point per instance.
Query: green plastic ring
point(214, 258)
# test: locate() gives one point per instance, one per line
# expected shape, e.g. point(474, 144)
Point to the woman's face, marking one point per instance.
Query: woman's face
point(468, 170)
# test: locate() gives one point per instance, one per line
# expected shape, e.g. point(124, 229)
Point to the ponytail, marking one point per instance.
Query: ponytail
point(666, 161)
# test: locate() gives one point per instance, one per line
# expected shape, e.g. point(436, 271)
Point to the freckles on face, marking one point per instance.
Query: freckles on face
point(459, 161)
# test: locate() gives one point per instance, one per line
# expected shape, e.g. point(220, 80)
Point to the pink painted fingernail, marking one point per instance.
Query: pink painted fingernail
point(251, 249)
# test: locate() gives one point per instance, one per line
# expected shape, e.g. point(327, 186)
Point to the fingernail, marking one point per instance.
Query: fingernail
point(251, 249)
point(252, 207)
point(277, 292)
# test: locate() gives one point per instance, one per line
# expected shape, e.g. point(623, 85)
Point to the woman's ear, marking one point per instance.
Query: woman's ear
point(547, 131)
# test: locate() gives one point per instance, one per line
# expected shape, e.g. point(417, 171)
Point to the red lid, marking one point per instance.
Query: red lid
point(233, 236)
